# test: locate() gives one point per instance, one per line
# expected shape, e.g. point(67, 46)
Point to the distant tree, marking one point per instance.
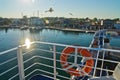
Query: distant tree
point(5, 21)
point(1, 21)
point(1, 18)
point(95, 19)
point(87, 18)
point(116, 19)
point(52, 24)
point(81, 20)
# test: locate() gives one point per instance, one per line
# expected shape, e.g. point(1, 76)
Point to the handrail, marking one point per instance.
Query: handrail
point(52, 59)
point(8, 70)
point(8, 61)
point(4, 52)
point(64, 45)
point(14, 76)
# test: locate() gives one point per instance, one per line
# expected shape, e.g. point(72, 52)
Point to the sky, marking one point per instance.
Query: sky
point(79, 8)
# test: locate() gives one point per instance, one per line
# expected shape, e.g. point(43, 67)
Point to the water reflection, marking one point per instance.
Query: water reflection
point(4, 29)
point(35, 34)
point(27, 43)
point(35, 31)
point(70, 32)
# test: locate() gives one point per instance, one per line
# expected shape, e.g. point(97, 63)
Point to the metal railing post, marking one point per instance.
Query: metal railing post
point(96, 61)
point(20, 63)
point(54, 56)
point(75, 59)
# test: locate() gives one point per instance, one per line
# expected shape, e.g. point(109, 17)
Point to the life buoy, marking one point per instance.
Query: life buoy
point(85, 53)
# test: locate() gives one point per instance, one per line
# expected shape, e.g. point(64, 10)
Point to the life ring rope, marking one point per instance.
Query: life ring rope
point(86, 69)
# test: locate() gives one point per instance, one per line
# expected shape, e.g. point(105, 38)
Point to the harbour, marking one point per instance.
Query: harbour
point(59, 40)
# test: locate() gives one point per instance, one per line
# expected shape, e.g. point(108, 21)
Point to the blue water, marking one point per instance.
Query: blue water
point(115, 42)
point(10, 38)
point(13, 37)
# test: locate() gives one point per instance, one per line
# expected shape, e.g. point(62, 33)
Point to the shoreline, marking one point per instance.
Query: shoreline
point(62, 29)
point(72, 30)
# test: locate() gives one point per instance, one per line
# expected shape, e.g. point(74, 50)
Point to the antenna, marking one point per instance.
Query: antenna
point(38, 13)
point(22, 14)
point(33, 14)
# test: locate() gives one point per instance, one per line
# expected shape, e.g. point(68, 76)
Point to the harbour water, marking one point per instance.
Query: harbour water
point(10, 38)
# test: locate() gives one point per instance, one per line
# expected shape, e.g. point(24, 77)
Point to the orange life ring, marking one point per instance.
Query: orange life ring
point(85, 53)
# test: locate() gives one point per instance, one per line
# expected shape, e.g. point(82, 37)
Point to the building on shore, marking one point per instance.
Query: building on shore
point(107, 23)
point(35, 21)
point(117, 25)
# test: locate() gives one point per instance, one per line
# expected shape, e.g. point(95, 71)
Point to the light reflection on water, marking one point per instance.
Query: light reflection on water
point(27, 43)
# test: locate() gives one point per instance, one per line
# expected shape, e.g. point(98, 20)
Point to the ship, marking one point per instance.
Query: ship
point(99, 61)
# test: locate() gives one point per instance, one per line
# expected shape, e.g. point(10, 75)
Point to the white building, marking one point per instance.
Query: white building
point(117, 25)
point(35, 21)
point(16, 21)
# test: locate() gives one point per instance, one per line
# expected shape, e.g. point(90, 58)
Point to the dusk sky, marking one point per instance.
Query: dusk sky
point(62, 8)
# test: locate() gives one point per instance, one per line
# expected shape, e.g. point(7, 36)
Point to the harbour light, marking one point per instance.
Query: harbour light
point(27, 43)
point(47, 21)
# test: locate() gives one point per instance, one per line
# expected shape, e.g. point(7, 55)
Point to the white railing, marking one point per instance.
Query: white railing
point(33, 59)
